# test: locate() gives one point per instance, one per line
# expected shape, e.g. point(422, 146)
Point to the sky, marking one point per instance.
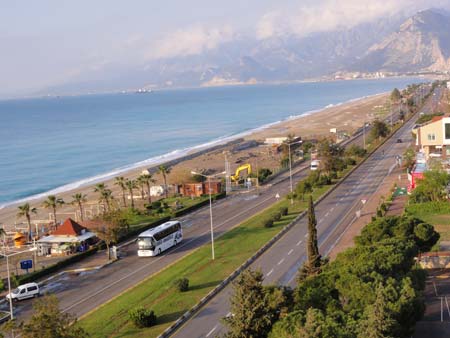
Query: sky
point(49, 42)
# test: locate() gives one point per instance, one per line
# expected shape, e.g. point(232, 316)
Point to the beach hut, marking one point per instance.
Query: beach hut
point(70, 237)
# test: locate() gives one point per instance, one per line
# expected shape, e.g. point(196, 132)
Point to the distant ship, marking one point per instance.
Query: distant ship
point(144, 91)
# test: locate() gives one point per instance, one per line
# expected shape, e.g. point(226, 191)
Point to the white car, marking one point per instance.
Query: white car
point(25, 291)
point(315, 165)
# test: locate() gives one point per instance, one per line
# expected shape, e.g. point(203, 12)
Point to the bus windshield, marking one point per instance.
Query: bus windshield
point(146, 243)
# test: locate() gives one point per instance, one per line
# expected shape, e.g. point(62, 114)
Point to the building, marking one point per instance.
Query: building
point(433, 138)
point(70, 237)
point(198, 189)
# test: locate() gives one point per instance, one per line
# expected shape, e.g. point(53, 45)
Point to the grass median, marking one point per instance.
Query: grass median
point(158, 292)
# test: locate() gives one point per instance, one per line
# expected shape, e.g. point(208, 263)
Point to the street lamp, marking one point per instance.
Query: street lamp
point(290, 167)
point(9, 277)
point(210, 206)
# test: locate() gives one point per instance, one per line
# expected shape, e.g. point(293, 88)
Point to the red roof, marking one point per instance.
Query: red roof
point(69, 228)
point(437, 118)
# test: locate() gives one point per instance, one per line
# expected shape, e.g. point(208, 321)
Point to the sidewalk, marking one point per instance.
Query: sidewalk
point(370, 208)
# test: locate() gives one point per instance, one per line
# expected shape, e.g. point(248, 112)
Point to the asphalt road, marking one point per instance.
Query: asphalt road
point(83, 292)
point(335, 213)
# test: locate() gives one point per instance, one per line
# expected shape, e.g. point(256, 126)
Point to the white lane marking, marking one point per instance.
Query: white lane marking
point(290, 251)
point(341, 198)
point(228, 314)
point(331, 210)
point(210, 332)
point(306, 235)
point(281, 262)
point(298, 243)
point(326, 215)
point(269, 273)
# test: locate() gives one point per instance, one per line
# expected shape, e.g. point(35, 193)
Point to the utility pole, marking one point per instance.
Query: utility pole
point(364, 135)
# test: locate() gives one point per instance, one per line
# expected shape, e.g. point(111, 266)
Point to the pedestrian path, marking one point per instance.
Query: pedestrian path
point(398, 176)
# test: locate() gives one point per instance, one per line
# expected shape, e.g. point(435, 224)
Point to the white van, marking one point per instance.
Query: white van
point(315, 164)
point(25, 291)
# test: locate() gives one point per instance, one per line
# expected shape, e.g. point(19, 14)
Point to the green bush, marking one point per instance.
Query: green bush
point(182, 284)
point(142, 317)
point(276, 217)
point(284, 211)
point(268, 223)
point(350, 161)
point(2, 285)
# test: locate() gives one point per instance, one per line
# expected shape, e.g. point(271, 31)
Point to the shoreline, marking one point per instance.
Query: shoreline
point(175, 156)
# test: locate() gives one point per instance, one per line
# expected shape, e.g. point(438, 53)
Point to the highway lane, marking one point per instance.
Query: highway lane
point(80, 293)
point(281, 262)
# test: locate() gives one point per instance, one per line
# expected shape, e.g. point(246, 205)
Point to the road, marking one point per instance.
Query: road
point(83, 292)
point(335, 213)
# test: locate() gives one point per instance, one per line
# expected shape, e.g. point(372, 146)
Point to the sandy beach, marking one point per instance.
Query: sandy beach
point(346, 117)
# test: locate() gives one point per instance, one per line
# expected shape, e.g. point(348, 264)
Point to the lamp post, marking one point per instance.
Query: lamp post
point(9, 275)
point(210, 207)
point(290, 167)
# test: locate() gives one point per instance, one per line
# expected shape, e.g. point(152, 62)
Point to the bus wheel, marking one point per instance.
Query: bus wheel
point(159, 251)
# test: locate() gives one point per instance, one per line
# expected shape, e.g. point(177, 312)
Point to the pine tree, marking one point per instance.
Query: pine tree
point(379, 322)
point(314, 260)
point(48, 321)
point(250, 311)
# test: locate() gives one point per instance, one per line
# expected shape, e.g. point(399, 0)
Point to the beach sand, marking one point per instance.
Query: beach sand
point(346, 117)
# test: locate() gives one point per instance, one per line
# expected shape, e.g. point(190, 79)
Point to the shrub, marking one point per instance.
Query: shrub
point(142, 317)
point(350, 161)
point(2, 285)
point(182, 284)
point(276, 217)
point(268, 223)
point(284, 211)
point(156, 205)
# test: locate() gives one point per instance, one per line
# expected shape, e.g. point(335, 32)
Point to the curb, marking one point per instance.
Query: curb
point(189, 314)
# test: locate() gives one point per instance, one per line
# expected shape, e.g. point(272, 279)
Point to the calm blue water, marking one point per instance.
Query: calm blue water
point(50, 142)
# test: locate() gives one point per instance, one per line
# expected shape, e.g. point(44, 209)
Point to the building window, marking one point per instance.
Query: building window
point(431, 137)
point(447, 131)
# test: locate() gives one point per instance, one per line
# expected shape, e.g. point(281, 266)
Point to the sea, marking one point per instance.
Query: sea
point(54, 144)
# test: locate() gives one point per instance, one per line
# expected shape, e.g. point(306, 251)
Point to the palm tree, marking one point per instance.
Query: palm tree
point(79, 199)
point(164, 171)
point(141, 184)
point(26, 211)
point(131, 184)
point(105, 195)
point(120, 181)
point(52, 202)
point(146, 180)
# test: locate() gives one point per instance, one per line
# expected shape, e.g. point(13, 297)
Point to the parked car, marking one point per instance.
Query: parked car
point(25, 291)
point(399, 140)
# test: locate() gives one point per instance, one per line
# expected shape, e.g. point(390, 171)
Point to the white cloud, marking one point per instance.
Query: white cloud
point(191, 41)
point(327, 15)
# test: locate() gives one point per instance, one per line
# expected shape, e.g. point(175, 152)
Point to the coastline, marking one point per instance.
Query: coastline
point(173, 156)
point(310, 124)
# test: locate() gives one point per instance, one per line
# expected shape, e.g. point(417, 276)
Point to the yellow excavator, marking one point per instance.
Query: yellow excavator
point(243, 167)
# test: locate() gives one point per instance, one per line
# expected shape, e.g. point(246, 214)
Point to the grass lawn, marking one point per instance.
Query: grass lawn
point(159, 294)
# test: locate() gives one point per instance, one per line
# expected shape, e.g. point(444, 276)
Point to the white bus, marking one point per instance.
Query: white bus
point(154, 241)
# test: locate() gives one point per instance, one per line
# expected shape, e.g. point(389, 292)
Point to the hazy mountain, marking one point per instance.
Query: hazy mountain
point(421, 43)
point(397, 44)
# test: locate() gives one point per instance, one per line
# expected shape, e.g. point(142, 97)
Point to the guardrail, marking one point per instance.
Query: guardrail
point(188, 314)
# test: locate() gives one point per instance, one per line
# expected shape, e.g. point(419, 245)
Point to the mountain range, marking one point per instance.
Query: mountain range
point(397, 44)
